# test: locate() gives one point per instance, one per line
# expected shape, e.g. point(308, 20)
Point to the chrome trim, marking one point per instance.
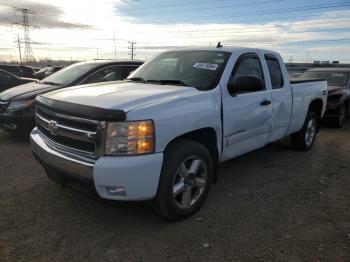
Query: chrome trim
point(60, 161)
point(85, 155)
point(101, 133)
point(95, 137)
point(63, 130)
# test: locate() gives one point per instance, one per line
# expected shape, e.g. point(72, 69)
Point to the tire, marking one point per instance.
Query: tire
point(305, 138)
point(186, 177)
point(340, 120)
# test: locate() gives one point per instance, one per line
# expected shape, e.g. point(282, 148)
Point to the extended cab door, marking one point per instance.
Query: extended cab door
point(246, 115)
point(281, 94)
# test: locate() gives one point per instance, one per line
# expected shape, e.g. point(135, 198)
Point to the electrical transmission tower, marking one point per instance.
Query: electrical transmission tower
point(27, 26)
point(132, 48)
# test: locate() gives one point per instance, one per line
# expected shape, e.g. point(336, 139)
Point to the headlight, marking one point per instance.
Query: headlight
point(15, 105)
point(130, 138)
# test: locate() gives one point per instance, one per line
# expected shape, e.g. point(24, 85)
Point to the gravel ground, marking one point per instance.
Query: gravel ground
point(273, 204)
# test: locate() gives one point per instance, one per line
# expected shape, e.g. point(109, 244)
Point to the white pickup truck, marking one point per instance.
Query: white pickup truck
point(161, 134)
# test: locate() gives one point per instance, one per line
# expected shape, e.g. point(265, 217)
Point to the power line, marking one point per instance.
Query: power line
point(215, 33)
point(267, 20)
point(291, 43)
point(172, 5)
point(260, 13)
point(210, 8)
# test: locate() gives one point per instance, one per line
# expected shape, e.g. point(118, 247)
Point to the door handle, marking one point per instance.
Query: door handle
point(265, 102)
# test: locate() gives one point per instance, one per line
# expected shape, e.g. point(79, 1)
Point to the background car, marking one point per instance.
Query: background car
point(51, 70)
point(19, 70)
point(46, 71)
point(8, 80)
point(18, 104)
point(295, 72)
point(338, 79)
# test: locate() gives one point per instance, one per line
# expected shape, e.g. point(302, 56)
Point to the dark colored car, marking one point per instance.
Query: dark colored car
point(46, 71)
point(8, 80)
point(17, 105)
point(19, 70)
point(338, 79)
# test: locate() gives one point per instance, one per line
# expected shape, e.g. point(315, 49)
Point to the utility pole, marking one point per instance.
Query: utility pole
point(307, 56)
point(132, 48)
point(115, 47)
point(27, 26)
point(19, 49)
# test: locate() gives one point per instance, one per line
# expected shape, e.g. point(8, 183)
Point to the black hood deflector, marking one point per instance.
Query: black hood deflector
point(82, 111)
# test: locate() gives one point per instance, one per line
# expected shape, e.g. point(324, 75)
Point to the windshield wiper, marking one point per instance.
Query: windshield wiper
point(50, 83)
point(169, 82)
point(137, 79)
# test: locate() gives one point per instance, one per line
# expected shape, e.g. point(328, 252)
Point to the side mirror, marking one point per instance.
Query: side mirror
point(246, 84)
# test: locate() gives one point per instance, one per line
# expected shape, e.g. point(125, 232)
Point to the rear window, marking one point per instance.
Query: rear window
point(274, 71)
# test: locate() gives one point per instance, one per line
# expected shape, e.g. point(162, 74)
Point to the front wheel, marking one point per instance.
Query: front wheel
point(305, 138)
point(186, 177)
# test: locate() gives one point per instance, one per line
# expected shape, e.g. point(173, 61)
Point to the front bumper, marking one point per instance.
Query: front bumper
point(135, 177)
point(66, 164)
point(15, 119)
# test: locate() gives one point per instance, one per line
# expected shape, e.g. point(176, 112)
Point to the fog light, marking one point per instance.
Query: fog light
point(116, 190)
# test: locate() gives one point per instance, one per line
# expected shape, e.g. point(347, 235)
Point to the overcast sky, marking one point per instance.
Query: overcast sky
point(82, 29)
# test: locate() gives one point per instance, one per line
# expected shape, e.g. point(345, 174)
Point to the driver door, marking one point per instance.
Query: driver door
point(247, 115)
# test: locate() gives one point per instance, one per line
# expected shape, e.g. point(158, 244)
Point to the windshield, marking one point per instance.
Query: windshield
point(68, 75)
point(332, 78)
point(199, 69)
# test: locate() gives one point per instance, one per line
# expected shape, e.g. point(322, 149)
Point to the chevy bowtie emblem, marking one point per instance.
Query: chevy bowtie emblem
point(53, 127)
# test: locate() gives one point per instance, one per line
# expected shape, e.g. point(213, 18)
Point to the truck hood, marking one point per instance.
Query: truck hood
point(26, 91)
point(123, 95)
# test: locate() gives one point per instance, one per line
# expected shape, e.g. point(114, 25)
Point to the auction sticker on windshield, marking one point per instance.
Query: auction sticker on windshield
point(206, 66)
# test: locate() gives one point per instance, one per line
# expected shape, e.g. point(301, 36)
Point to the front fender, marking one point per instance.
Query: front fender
point(182, 115)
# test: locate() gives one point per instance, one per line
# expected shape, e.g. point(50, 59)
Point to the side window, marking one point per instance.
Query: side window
point(127, 70)
point(275, 71)
point(5, 77)
point(248, 65)
point(112, 73)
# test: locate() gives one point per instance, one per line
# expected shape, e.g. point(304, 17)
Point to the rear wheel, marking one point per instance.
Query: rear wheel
point(305, 138)
point(186, 177)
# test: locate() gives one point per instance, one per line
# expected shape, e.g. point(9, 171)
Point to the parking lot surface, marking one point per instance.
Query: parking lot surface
point(274, 204)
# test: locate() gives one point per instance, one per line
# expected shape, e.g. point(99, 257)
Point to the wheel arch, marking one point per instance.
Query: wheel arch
point(317, 107)
point(206, 137)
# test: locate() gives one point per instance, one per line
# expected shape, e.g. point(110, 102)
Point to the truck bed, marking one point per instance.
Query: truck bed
point(304, 92)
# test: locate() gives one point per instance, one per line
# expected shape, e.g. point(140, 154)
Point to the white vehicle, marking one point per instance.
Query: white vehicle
point(161, 134)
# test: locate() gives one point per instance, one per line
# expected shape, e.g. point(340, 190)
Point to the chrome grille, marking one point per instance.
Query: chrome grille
point(70, 134)
point(3, 106)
